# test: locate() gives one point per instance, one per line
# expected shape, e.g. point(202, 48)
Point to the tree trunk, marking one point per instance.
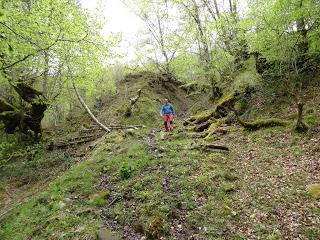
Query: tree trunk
point(303, 45)
point(301, 126)
point(45, 75)
point(131, 103)
point(85, 106)
point(25, 118)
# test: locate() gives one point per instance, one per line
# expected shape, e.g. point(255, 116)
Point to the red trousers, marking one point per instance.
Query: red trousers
point(168, 122)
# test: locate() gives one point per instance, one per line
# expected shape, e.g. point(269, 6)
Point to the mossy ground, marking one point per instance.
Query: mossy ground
point(258, 190)
point(140, 185)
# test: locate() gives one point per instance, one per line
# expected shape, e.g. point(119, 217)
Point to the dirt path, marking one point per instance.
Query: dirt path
point(132, 231)
point(151, 141)
point(135, 229)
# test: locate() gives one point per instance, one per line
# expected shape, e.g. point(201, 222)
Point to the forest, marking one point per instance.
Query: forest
point(195, 119)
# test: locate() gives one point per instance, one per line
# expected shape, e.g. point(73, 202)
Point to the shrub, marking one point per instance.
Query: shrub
point(126, 171)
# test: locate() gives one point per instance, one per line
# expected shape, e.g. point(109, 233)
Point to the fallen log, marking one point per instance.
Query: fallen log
point(117, 127)
point(85, 106)
point(84, 131)
point(209, 147)
point(84, 137)
point(126, 126)
point(73, 141)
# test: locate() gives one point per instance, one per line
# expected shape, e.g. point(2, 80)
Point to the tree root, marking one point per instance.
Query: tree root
point(215, 127)
point(210, 121)
point(210, 147)
point(220, 110)
point(261, 123)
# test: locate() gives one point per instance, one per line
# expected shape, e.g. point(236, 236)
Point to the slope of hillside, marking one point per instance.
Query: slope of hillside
point(154, 89)
point(147, 184)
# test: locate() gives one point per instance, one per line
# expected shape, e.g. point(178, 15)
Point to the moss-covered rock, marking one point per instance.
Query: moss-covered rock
point(314, 190)
point(228, 187)
point(104, 234)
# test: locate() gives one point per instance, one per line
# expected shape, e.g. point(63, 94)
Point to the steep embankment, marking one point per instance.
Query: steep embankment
point(154, 89)
point(149, 184)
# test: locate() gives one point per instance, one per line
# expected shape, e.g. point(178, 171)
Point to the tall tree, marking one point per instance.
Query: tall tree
point(39, 40)
point(283, 33)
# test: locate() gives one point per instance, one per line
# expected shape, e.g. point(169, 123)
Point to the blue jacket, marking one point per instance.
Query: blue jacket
point(167, 109)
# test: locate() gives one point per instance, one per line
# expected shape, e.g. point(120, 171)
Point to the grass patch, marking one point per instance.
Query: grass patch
point(239, 195)
point(69, 205)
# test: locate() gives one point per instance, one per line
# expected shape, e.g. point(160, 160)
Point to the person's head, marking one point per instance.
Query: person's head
point(166, 101)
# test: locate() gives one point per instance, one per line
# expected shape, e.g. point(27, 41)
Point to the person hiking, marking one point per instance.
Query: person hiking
point(167, 111)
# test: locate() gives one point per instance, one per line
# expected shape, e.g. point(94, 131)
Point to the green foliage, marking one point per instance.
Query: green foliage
point(282, 36)
point(186, 67)
point(247, 76)
point(126, 171)
point(51, 43)
point(275, 24)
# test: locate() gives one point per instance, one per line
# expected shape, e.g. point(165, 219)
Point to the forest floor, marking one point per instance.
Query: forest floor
point(140, 185)
point(150, 184)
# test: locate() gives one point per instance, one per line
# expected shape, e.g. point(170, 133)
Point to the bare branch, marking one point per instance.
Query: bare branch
point(85, 106)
